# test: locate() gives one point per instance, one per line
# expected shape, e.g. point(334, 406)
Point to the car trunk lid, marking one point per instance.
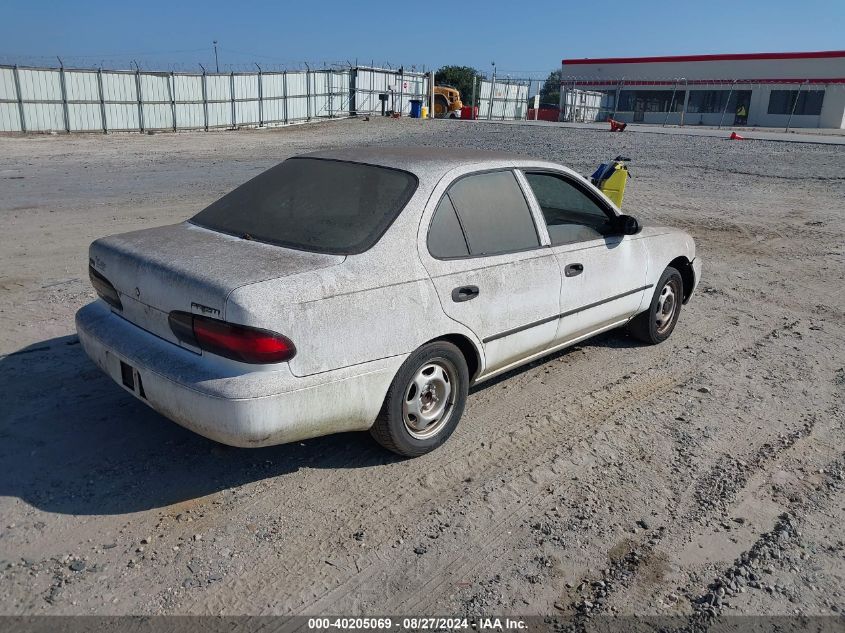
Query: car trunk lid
point(189, 268)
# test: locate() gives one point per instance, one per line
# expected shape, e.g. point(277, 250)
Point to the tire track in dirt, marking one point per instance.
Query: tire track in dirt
point(814, 441)
point(392, 493)
point(603, 405)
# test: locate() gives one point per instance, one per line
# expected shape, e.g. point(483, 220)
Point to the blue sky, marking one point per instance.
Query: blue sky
point(523, 38)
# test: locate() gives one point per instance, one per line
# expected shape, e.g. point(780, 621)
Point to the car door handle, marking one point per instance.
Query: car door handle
point(572, 270)
point(464, 293)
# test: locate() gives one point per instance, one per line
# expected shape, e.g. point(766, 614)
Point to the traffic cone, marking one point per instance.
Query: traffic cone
point(736, 137)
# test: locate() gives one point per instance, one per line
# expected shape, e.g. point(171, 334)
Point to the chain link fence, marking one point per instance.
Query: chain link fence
point(805, 103)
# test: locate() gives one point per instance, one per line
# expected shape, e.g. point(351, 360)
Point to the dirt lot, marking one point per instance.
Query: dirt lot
point(704, 473)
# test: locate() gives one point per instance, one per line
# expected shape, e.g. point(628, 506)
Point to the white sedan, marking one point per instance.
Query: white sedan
point(369, 288)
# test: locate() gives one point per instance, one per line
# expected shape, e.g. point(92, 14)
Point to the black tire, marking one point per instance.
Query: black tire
point(656, 324)
point(398, 428)
point(443, 104)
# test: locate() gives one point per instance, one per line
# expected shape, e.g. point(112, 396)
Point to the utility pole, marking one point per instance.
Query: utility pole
point(216, 63)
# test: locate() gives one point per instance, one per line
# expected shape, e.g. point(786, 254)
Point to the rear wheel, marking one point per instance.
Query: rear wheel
point(425, 401)
point(656, 324)
point(441, 106)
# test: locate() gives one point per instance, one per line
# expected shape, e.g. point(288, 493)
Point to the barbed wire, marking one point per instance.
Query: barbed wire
point(150, 64)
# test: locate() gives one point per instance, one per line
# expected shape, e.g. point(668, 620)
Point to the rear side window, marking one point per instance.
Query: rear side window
point(310, 204)
point(445, 236)
point(493, 213)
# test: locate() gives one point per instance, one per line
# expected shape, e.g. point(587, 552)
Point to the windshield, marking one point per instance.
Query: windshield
point(313, 204)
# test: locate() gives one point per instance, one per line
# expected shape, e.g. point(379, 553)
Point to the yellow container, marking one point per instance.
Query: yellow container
point(424, 112)
point(614, 185)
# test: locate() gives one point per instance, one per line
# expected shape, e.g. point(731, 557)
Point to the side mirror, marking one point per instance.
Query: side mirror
point(627, 225)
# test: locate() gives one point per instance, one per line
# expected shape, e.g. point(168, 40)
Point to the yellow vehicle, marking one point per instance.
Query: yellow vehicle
point(447, 102)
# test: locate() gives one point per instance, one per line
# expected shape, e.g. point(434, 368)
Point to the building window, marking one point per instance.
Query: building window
point(711, 101)
point(650, 100)
point(809, 101)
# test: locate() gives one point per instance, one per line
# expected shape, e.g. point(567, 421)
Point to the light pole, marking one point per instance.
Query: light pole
point(216, 63)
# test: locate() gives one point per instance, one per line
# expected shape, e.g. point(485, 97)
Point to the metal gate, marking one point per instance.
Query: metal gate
point(503, 99)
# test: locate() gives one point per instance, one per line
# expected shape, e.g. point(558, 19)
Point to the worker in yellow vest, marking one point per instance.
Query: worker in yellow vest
point(741, 115)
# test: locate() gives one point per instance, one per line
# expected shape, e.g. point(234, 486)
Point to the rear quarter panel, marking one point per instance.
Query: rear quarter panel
point(375, 305)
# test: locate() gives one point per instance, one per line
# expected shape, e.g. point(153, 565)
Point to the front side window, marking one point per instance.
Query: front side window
point(571, 214)
point(311, 204)
point(493, 213)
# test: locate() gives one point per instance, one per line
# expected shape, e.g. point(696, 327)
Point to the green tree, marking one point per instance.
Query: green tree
point(550, 92)
point(460, 77)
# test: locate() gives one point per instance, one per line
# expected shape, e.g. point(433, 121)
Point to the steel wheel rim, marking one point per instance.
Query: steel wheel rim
point(430, 398)
point(667, 306)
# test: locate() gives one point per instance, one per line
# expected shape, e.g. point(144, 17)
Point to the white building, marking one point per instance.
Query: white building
point(758, 89)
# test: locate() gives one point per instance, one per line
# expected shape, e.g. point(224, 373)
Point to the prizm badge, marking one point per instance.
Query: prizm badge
point(204, 309)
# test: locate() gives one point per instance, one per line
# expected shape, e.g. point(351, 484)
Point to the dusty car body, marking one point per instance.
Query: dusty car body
point(450, 267)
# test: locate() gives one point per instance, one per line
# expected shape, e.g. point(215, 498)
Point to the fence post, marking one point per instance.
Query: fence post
point(260, 99)
point(431, 93)
point(285, 94)
point(671, 103)
point(204, 83)
point(528, 97)
point(140, 98)
point(353, 84)
point(63, 87)
point(492, 92)
point(797, 96)
point(307, 92)
point(401, 90)
point(725, 109)
point(232, 96)
point(616, 100)
point(171, 89)
point(102, 100)
point(330, 85)
point(20, 98)
point(561, 100)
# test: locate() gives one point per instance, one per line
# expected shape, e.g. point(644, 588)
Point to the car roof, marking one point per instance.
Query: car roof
point(420, 160)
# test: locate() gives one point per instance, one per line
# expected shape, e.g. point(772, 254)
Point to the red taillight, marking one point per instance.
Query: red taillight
point(106, 291)
point(238, 342)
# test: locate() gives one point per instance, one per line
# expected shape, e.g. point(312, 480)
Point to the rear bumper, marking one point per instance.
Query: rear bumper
point(228, 404)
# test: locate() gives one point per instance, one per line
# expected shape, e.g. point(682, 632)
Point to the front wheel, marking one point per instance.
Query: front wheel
point(656, 324)
point(425, 401)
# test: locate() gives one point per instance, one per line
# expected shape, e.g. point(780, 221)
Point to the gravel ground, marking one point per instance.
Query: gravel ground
point(703, 475)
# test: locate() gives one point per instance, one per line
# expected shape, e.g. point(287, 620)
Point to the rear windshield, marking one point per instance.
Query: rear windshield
point(312, 204)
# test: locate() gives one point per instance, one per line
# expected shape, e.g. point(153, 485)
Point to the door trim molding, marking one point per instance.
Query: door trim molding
point(546, 352)
point(562, 315)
